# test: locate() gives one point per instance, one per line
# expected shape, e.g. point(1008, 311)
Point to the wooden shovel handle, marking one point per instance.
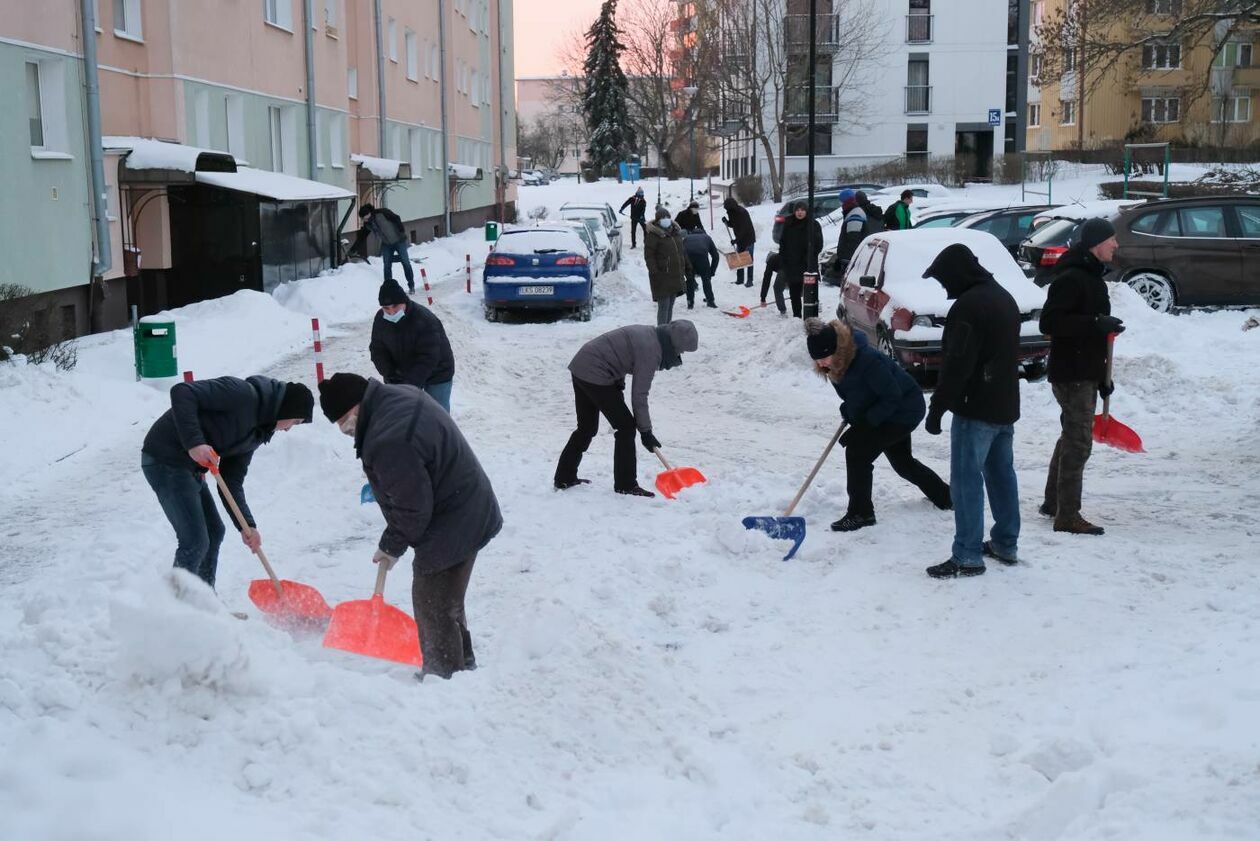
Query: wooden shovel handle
point(240, 520)
point(662, 458)
point(817, 466)
point(382, 570)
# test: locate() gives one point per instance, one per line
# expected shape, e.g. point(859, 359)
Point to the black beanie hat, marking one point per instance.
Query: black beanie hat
point(823, 343)
point(662, 212)
point(296, 403)
point(365, 210)
point(391, 293)
point(1096, 231)
point(340, 393)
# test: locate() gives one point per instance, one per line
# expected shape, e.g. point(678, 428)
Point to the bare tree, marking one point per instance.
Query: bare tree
point(547, 139)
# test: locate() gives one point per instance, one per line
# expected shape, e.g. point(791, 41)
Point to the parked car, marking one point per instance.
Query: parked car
point(591, 233)
point(612, 223)
point(532, 178)
point(944, 214)
point(885, 295)
point(1012, 225)
point(826, 203)
point(1191, 252)
point(544, 268)
point(1052, 235)
point(930, 192)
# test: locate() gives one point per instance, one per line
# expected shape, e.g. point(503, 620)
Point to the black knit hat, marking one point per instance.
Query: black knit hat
point(340, 393)
point(799, 205)
point(391, 293)
point(297, 403)
point(823, 343)
point(662, 212)
point(1096, 231)
point(365, 209)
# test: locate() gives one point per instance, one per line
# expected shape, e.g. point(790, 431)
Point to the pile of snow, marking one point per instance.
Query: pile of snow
point(146, 153)
point(273, 185)
point(386, 169)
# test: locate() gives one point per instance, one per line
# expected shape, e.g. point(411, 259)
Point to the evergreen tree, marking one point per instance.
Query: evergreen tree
point(604, 99)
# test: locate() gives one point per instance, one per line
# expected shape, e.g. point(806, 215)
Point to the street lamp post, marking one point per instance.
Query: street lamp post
point(691, 91)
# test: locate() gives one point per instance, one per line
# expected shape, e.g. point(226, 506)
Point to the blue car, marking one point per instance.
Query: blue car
point(544, 268)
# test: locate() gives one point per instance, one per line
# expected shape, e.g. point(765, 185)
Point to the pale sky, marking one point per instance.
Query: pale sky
point(542, 27)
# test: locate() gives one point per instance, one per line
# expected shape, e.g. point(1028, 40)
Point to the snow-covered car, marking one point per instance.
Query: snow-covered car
point(604, 253)
point(543, 268)
point(945, 213)
point(532, 178)
point(592, 234)
point(612, 222)
point(885, 295)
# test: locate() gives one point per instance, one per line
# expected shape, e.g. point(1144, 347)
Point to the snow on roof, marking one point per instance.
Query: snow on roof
point(146, 153)
point(464, 172)
point(273, 185)
point(385, 169)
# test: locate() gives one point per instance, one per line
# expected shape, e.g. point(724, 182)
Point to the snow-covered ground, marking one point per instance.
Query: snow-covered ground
point(649, 670)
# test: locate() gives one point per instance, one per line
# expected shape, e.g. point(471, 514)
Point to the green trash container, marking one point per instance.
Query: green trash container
point(492, 232)
point(155, 348)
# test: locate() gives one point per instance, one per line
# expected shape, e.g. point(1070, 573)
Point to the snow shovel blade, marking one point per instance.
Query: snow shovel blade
point(780, 528)
point(670, 482)
point(301, 605)
point(366, 495)
point(374, 629)
point(739, 312)
point(1109, 431)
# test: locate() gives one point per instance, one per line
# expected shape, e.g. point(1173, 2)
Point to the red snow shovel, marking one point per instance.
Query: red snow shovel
point(289, 604)
point(1108, 430)
point(674, 479)
point(743, 312)
point(788, 527)
point(375, 629)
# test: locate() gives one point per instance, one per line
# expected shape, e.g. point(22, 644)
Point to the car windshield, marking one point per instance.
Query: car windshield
point(940, 221)
point(539, 242)
point(1056, 232)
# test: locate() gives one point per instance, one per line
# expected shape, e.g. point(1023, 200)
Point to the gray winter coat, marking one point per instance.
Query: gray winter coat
point(631, 351)
point(435, 497)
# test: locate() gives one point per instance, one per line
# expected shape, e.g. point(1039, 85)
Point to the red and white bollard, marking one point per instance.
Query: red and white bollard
point(188, 377)
point(319, 351)
point(424, 278)
point(468, 273)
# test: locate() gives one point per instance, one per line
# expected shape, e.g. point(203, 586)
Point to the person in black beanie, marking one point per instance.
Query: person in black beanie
point(799, 246)
point(1077, 318)
point(434, 495)
point(409, 345)
point(215, 424)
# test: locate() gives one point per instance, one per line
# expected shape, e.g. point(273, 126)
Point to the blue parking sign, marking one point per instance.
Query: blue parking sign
point(995, 116)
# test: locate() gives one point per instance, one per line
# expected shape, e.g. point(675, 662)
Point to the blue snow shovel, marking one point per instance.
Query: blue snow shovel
point(366, 495)
point(788, 527)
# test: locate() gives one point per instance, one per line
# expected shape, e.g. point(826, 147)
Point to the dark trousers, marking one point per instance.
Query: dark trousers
point(438, 602)
point(864, 444)
point(635, 224)
point(745, 276)
point(1076, 441)
point(591, 400)
point(794, 283)
point(398, 251)
point(189, 506)
point(772, 268)
point(706, 278)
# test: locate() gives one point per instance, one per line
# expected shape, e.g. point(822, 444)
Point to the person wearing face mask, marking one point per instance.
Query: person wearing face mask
point(215, 424)
point(1077, 318)
point(409, 345)
point(435, 497)
point(665, 255)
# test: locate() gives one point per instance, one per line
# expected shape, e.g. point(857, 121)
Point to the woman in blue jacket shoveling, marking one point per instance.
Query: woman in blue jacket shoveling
point(883, 405)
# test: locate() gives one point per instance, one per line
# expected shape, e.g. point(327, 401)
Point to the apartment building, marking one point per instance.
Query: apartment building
point(1196, 90)
point(237, 138)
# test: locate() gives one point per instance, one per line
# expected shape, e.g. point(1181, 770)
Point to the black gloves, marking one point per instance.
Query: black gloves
point(649, 441)
point(1109, 324)
point(1105, 389)
point(726, 222)
point(844, 436)
point(932, 426)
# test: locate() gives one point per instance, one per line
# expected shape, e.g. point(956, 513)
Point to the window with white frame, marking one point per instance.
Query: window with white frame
point(413, 55)
point(127, 22)
point(330, 16)
point(1163, 7)
point(398, 142)
point(352, 82)
point(337, 141)
point(201, 118)
point(1034, 114)
point(1069, 59)
point(276, 12)
point(1233, 109)
point(1067, 113)
point(46, 108)
point(474, 88)
point(1234, 54)
point(321, 148)
point(391, 35)
point(1161, 109)
point(1161, 56)
point(415, 153)
point(1034, 65)
point(275, 131)
point(234, 118)
point(435, 63)
point(35, 105)
point(435, 150)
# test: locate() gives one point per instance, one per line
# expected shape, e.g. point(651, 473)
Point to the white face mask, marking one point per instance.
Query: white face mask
point(666, 222)
point(347, 424)
point(394, 317)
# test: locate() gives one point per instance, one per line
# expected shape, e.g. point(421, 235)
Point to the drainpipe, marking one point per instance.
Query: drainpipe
point(503, 174)
point(104, 259)
point(446, 180)
point(380, 83)
point(308, 21)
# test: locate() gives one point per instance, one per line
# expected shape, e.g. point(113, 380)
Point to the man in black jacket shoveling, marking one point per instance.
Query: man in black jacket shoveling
point(743, 233)
point(702, 262)
point(215, 423)
point(409, 345)
point(435, 497)
point(1077, 318)
point(392, 235)
point(638, 215)
point(979, 383)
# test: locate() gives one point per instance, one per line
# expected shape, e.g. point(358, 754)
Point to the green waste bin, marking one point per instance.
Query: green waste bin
point(155, 348)
point(492, 232)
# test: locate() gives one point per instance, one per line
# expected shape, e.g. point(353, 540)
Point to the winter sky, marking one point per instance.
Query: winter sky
point(541, 29)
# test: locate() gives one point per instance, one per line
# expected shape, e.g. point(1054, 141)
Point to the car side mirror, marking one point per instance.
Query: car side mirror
point(867, 281)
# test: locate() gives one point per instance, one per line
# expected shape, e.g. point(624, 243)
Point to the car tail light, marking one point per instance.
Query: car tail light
point(902, 319)
point(779, 219)
point(499, 260)
point(1051, 254)
point(574, 260)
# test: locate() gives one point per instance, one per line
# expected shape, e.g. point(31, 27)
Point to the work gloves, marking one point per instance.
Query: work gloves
point(649, 441)
point(1108, 324)
point(1105, 389)
point(932, 426)
point(384, 558)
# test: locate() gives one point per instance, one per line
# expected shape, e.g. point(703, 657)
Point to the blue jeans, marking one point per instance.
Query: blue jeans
point(441, 392)
point(740, 275)
point(399, 250)
point(981, 457)
point(189, 506)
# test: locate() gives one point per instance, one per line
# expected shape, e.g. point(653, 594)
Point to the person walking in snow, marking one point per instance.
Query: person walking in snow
point(409, 345)
point(389, 230)
point(799, 246)
point(638, 215)
point(702, 260)
point(897, 216)
point(772, 275)
point(852, 230)
point(689, 217)
point(1077, 318)
point(744, 236)
point(665, 256)
point(979, 383)
point(882, 405)
point(434, 495)
point(217, 424)
point(599, 372)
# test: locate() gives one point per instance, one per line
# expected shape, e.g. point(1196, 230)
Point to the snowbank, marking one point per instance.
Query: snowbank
point(385, 169)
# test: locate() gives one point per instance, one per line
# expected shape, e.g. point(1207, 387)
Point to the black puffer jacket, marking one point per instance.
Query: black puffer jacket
point(799, 246)
point(688, 219)
point(414, 351)
point(1077, 296)
point(741, 224)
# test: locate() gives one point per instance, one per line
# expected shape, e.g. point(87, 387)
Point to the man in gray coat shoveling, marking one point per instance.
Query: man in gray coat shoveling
point(435, 497)
point(599, 372)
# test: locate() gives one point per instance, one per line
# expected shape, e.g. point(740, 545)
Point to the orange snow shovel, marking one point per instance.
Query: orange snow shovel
point(375, 629)
point(1108, 430)
point(289, 604)
point(674, 479)
point(743, 312)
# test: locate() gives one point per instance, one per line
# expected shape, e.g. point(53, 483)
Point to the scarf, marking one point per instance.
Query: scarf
point(670, 358)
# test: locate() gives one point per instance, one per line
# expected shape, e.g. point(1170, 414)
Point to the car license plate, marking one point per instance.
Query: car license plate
point(537, 290)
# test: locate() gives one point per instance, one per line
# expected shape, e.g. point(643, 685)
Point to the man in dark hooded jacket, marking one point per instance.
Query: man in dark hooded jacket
point(744, 235)
point(409, 345)
point(689, 217)
point(702, 260)
point(599, 373)
point(215, 425)
point(1077, 318)
point(799, 246)
point(392, 235)
point(979, 383)
point(434, 495)
point(638, 215)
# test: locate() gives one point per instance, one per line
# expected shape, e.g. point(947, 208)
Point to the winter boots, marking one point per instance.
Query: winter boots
point(853, 522)
point(990, 552)
point(1076, 524)
point(634, 490)
point(952, 569)
point(565, 484)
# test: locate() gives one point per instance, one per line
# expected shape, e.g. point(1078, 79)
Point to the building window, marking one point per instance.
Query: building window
point(1038, 12)
point(127, 19)
point(916, 143)
point(435, 63)
point(1012, 82)
point(282, 136)
point(352, 82)
point(413, 55)
point(1012, 23)
point(336, 141)
point(275, 129)
point(201, 119)
point(1161, 109)
point(330, 17)
point(321, 148)
point(415, 152)
point(276, 12)
point(1069, 59)
point(1161, 56)
point(918, 89)
point(234, 117)
point(392, 37)
point(1034, 67)
point(1034, 114)
point(46, 109)
point(435, 150)
point(34, 106)
point(1234, 109)
point(474, 89)
point(1163, 7)
point(1234, 54)
point(1067, 113)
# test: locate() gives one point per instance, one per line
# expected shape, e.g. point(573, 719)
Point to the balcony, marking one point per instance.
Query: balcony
point(919, 29)
point(826, 104)
point(1222, 81)
point(918, 99)
point(796, 33)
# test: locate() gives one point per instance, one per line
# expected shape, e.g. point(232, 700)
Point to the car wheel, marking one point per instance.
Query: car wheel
point(1155, 289)
point(1034, 371)
point(584, 312)
point(492, 314)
